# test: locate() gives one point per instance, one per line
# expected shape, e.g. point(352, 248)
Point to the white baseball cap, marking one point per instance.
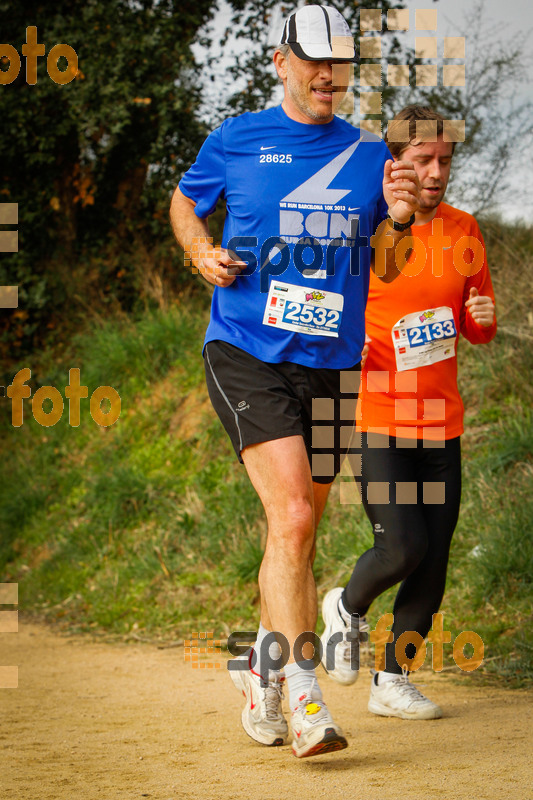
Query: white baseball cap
point(319, 33)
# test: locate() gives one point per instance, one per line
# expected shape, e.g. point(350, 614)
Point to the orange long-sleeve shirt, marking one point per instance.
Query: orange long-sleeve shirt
point(403, 394)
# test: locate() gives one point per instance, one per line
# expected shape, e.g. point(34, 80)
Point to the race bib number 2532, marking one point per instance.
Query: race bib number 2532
point(304, 310)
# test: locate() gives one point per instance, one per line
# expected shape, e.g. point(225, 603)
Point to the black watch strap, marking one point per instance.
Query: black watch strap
point(401, 226)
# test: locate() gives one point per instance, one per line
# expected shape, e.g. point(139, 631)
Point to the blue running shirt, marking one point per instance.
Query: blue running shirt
point(302, 202)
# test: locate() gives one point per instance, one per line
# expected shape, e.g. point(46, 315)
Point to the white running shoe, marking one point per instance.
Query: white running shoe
point(340, 660)
point(401, 698)
point(313, 729)
point(262, 717)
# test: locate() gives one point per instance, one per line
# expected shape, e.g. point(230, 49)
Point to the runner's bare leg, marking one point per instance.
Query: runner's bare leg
point(280, 473)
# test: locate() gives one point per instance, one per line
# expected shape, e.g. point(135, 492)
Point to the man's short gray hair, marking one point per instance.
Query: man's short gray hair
point(284, 49)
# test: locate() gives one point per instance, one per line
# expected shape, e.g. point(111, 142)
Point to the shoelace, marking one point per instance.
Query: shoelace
point(409, 689)
point(309, 698)
point(273, 697)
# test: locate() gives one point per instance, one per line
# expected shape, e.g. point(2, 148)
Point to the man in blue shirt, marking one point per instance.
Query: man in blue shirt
point(305, 193)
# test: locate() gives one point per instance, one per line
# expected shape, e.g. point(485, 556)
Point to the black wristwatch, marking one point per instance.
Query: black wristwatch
point(401, 226)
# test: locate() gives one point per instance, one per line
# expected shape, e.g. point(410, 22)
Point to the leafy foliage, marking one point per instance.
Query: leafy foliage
point(91, 163)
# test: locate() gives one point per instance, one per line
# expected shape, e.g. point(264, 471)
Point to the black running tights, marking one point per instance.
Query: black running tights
point(411, 496)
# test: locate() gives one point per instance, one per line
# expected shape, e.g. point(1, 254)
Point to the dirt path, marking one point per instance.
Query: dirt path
point(92, 720)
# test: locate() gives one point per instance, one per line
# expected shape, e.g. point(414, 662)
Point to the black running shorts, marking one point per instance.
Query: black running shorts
point(259, 402)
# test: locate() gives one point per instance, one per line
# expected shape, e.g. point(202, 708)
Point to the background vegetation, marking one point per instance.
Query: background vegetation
point(150, 528)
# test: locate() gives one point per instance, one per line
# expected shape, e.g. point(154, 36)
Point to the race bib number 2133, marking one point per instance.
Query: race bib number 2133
point(424, 337)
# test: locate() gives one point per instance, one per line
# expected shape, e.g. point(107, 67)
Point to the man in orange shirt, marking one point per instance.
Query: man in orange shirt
point(411, 419)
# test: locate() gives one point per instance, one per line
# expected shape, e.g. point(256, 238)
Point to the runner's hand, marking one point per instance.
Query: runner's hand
point(366, 348)
point(481, 308)
point(401, 189)
point(219, 268)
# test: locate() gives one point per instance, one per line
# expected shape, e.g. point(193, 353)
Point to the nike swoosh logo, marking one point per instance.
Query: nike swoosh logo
point(354, 208)
point(272, 147)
